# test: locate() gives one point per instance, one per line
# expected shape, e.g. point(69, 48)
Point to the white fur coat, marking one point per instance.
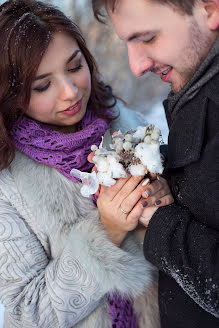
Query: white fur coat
point(56, 263)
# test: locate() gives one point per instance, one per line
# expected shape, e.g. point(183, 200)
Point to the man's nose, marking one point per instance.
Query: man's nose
point(68, 89)
point(139, 62)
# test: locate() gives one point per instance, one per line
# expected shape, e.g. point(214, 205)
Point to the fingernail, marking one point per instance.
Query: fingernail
point(147, 193)
point(145, 204)
point(145, 182)
point(158, 202)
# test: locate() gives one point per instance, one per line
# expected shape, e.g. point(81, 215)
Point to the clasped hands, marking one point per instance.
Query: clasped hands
point(130, 201)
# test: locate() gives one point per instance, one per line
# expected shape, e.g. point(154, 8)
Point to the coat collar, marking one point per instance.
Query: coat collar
point(187, 129)
point(186, 133)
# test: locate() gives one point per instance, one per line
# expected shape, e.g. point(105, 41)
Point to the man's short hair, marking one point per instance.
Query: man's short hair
point(183, 6)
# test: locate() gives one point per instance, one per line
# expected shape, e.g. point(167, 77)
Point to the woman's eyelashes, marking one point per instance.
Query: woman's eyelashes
point(42, 88)
point(77, 68)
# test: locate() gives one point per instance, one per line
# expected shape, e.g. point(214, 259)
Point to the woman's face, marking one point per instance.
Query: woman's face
point(61, 89)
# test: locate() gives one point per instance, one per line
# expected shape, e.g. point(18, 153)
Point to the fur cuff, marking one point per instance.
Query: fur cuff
point(123, 270)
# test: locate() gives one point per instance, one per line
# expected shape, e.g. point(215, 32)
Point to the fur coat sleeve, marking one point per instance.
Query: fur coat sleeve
point(56, 262)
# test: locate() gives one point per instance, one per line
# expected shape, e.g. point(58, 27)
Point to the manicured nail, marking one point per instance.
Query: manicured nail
point(147, 193)
point(158, 202)
point(145, 204)
point(145, 182)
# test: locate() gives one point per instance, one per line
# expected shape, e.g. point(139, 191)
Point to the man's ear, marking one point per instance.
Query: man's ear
point(212, 9)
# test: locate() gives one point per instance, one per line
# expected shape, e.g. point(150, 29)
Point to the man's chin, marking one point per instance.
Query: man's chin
point(177, 87)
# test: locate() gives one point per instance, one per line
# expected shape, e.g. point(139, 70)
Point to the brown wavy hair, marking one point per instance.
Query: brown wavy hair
point(183, 6)
point(26, 29)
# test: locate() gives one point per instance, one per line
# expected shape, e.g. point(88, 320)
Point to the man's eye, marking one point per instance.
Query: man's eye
point(75, 69)
point(42, 88)
point(150, 40)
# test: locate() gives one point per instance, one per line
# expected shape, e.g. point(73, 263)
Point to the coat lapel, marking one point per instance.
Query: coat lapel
point(186, 133)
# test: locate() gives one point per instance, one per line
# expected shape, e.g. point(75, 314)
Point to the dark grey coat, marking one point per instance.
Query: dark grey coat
point(182, 239)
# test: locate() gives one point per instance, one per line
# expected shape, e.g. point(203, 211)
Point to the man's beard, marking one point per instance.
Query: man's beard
point(195, 52)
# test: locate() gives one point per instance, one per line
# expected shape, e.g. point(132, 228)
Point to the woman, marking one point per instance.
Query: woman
point(59, 266)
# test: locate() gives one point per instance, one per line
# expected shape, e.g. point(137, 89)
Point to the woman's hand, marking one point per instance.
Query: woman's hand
point(129, 201)
point(121, 206)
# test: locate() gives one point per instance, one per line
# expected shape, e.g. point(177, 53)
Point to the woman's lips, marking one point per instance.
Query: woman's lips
point(72, 110)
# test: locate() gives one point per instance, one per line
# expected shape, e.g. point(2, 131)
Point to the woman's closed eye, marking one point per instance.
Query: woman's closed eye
point(42, 88)
point(77, 68)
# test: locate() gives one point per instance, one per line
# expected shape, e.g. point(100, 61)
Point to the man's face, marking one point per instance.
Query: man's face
point(162, 40)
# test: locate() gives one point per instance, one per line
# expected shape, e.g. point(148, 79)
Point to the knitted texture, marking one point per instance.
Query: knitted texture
point(65, 152)
point(59, 150)
point(121, 312)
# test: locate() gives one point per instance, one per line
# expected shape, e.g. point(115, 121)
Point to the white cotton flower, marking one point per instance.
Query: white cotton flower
point(118, 171)
point(105, 179)
point(147, 140)
point(142, 144)
point(140, 132)
point(150, 156)
point(155, 135)
point(102, 165)
point(137, 170)
point(89, 181)
point(119, 147)
point(128, 137)
point(127, 146)
point(94, 147)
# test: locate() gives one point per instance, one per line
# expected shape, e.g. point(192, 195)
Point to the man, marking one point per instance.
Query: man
point(179, 41)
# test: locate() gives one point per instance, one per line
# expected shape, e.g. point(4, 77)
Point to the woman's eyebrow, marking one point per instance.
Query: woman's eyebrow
point(73, 56)
point(42, 76)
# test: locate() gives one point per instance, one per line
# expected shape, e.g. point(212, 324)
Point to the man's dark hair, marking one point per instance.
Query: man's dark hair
point(183, 6)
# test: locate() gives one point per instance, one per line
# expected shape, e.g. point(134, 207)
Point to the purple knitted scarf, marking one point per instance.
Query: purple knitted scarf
point(65, 152)
point(59, 150)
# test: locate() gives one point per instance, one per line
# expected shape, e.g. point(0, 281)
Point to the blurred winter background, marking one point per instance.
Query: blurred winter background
point(144, 94)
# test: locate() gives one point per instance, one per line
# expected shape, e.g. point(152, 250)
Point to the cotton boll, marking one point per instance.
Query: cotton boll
point(105, 179)
point(119, 147)
point(147, 140)
point(155, 135)
point(113, 158)
point(128, 137)
point(137, 170)
point(156, 130)
point(98, 152)
point(118, 171)
point(150, 156)
point(94, 147)
point(136, 140)
point(154, 142)
point(127, 146)
point(102, 165)
point(140, 132)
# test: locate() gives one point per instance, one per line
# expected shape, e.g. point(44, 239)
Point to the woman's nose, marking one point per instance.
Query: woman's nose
point(68, 90)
